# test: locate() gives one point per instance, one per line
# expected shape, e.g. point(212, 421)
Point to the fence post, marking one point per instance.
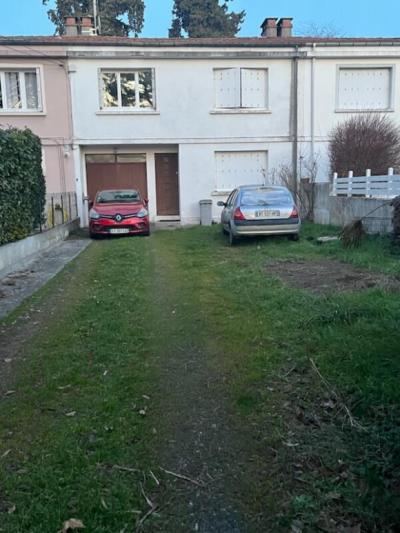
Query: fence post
point(334, 184)
point(368, 183)
point(350, 183)
point(390, 191)
point(52, 211)
point(62, 209)
point(69, 206)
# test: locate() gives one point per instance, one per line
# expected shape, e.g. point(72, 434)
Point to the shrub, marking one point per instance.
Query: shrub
point(365, 141)
point(22, 184)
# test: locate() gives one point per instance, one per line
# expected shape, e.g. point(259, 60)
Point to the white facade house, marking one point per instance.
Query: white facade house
point(190, 119)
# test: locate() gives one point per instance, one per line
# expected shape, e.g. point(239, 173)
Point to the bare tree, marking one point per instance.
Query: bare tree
point(367, 141)
point(312, 29)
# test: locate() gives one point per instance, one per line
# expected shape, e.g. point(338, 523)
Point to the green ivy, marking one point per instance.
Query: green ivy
point(22, 184)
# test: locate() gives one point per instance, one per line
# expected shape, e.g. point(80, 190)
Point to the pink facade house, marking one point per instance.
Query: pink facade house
point(34, 93)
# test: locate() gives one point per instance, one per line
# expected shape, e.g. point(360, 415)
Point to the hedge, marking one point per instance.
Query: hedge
point(22, 184)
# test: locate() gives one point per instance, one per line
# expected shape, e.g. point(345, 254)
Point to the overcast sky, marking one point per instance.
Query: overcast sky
point(347, 17)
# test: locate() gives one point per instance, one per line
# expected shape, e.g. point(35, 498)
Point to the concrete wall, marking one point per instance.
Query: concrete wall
point(54, 123)
point(338, 211)
point(17, 253)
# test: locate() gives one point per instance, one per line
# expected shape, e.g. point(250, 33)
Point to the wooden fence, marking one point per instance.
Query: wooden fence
point(367, 186)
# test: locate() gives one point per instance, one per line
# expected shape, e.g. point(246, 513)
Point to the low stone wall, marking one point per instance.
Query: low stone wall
point(340, 210)
point(15, 254)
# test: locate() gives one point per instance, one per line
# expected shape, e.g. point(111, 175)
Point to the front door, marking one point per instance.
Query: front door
point(167, 184)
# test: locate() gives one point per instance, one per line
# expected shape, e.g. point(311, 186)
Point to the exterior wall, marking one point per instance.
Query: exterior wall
point(54, 124)
point(185, 116)
point(327, 60)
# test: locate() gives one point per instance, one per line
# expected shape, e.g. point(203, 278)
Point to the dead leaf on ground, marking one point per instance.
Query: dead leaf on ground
point(11, 509)
point(71, 413)
point(71, 524)
point(5, 453)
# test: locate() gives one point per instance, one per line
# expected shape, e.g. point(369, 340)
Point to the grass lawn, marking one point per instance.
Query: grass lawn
point(180, 352)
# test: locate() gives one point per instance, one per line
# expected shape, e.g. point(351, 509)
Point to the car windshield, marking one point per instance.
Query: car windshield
point(265, 196)
point(108, 197)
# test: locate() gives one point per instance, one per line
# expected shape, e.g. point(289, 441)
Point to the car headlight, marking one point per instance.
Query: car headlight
point(94, 214)
point(142, 213)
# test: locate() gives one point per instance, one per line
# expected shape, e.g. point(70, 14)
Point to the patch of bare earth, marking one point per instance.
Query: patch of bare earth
point(328, 276)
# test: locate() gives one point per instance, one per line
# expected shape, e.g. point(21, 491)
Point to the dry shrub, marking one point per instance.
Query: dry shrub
point(365, 141)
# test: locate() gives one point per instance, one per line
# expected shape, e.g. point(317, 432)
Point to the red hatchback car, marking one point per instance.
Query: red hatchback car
point(119, 212)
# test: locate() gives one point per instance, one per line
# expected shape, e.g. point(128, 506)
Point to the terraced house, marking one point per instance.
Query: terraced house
point(188, 119)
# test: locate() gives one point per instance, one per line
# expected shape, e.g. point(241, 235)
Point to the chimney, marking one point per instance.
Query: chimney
point(87, 26)
point(71, 26)
point(269, 28)
point(285, 27)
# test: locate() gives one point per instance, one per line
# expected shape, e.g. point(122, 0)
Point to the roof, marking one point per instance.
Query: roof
point(257, 42)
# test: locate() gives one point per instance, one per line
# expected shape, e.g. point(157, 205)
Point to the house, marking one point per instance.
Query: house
point(188, 119)
point(34, 93)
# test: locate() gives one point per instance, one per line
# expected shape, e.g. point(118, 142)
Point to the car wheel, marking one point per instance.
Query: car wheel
point(294, 237)
point(93, 235)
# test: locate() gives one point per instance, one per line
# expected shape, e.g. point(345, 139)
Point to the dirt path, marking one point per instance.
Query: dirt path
point(199, 435)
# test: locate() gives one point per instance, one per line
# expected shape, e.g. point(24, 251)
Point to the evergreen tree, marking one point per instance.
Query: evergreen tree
point(110, 13)
point(204, 18)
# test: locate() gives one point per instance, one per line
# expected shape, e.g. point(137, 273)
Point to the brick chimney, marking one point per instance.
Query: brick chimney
point(269, 27)
point(71, 26)
point(285, 27)
point(83, 25)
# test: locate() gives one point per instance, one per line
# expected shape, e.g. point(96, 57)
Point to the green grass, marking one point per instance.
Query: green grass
point(103, 351)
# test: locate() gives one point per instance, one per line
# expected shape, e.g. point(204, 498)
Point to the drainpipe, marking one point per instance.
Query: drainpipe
point(295, 119)
point(312, 105)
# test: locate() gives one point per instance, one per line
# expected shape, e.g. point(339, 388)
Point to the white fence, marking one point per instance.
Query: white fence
point(367, 186)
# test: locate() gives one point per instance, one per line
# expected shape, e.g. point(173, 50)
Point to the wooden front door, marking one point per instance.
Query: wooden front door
point(102, 176)
point(167, 184)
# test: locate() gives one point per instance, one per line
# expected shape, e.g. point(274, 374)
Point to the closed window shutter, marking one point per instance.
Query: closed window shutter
point(240, 168)
point(254, 88)
point(227, 88)
point(364, 88)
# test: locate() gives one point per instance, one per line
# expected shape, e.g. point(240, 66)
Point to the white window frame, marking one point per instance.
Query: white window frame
point(128, 109)
point(21, 69)
point(238, 77)
point(390, 67)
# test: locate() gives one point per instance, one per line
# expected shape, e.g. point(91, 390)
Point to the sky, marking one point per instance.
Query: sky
point(347, 18)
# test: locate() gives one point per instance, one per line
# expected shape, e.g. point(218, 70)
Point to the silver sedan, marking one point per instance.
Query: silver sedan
point(260, 210)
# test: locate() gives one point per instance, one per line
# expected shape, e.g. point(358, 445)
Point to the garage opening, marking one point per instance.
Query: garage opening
point(115, 171)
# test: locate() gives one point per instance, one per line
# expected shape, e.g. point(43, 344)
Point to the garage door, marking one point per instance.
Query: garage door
point(240, 168)
point(122, 171)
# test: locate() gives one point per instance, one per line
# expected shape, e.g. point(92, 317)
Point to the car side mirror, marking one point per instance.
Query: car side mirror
point(221, 204)
point(90, 204)
point(146, 201)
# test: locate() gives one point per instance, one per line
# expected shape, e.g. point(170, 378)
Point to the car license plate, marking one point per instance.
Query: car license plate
point(119, 230)
point(267, 213)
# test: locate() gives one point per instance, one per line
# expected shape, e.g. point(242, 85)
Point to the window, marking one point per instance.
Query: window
point(20, 90)
point(133, 89)
point(365, 89)
point(244, 88)
point(240, 168)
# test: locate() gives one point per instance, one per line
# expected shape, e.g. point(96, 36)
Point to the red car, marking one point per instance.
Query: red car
point(119, 212)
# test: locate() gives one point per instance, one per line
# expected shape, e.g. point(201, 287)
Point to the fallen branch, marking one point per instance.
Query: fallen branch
point(155, 478)
point(145, 517)
point(148, 501)
point(126, 469)
point(352, 420)
point(183, 477)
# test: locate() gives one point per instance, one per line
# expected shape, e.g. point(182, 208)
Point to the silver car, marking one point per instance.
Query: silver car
point(260, 210)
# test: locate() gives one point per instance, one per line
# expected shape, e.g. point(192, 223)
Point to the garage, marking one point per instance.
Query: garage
point(116, 171)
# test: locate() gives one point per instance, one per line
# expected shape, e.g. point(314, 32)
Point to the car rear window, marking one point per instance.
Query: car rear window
point(265, 196)
point(106, 197)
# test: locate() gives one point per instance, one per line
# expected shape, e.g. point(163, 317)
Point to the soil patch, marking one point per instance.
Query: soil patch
point(328, 276)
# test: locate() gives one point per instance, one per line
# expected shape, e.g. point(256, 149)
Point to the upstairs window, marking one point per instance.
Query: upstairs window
point(131, 89)
point(365, 89)
point(241, 88)
point(20, 91)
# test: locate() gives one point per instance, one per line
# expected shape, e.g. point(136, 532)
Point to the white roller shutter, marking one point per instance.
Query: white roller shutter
point(364, 88)
point(240, 168)
point(227, 88)
point(254, 88)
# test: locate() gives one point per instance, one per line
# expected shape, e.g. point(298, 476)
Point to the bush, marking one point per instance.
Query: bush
point(22, 184)
point(365, 141)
